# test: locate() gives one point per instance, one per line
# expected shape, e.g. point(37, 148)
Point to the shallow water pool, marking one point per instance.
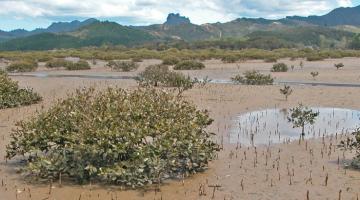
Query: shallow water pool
point(271, 126)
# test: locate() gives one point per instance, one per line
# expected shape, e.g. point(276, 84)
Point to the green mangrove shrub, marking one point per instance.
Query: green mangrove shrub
point(116, 136)
point(124, 66)
point(161, 76)
point(279, 67)
point(229, 59)
point(189, 65)
point(170, 60)
point(58, 63)
point(22, 66)
point(271, 59)
point(253, 78)
point(12, 96)
point(79, 65)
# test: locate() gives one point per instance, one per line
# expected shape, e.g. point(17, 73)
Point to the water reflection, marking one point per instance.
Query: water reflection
point(272, 126)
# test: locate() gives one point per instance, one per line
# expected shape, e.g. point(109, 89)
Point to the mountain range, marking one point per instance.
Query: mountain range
point(335, 29)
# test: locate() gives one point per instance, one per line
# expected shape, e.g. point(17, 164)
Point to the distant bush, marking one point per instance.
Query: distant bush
point(153, 75)
point(57, 63)
point(124, 138)
point(229, 59)
point(136, 59)
point(160, 75)
point(315, 58)
point(270, 60)
point(253, 78)
point(170, 60)
point(189, 65)
point(22, 66)
point(12, 96)
point(279, 67)
point(80, 65)
point(125, 66)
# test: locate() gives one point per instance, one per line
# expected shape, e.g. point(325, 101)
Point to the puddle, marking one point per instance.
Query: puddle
point(271, 126)
point(294, 83)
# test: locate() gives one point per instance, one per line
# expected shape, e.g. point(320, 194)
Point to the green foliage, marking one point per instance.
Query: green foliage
point(286, 91)
point(271, 60)
point(279, 67)
point(160, 75)
point(13, 96)
point(189, 65)
point(80, 65)
point(125, 66)
point(338, 66)
point(230, 59)
point(301, 116)
point(57, 63)
point(136, 59)
point(253, 78)
point(315, 58)
point(126, 138)
point(170, 60)
point(22, 66)
point(153, 75)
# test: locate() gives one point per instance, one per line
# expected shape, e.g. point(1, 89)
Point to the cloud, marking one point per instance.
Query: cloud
point(155, 11)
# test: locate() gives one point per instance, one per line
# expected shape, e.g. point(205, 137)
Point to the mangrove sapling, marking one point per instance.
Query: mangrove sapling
point(338, 66)
point(286, 91)
point(314, 74)
point(125, 138)
point(301, 116)
point(301, 64)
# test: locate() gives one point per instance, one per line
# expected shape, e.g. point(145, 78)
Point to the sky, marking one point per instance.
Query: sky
point(31, 14)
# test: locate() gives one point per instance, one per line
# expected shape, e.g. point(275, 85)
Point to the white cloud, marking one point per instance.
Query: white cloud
point(155, 11)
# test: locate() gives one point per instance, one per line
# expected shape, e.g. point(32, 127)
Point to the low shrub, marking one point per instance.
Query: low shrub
point(125, 66)
point(12, 96)
point(170, 60)
point(189, 65)
point(253, 78)
point(315, 58)
point(80, 65)
point(229, 59)
point(120, 137)
point(153, 75)
point(279, 67)
point(270, 60)
point(136, 59)
point(160, 75)
point(57, 63)
point(22, 66)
